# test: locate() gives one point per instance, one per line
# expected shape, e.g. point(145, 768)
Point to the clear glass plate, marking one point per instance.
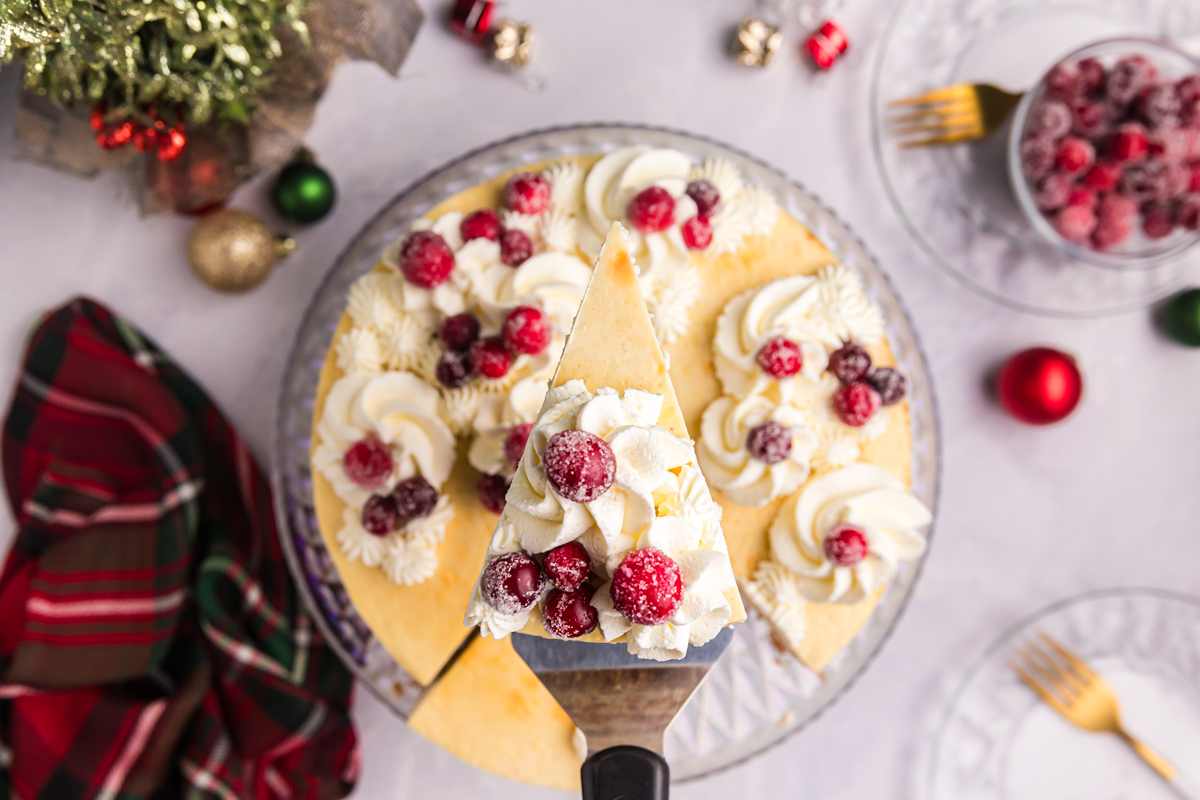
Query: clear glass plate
point(756, 696)
point(957, 201)
point(999, 742)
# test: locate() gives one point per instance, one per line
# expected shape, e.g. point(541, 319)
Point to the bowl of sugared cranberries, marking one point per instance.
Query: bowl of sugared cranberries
point(1104, 153)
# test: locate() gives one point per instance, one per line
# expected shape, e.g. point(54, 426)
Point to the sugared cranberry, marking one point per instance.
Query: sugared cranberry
point(511, 583)
point(850, 362)
point(697, 233)
point(652, 210)
point(453, 369)
point(579, 465)
point(1179, 180)
point(1128, 77)
point(368, 463)
point(515, 247)
point(1194, 169)
point(1075, 223)
point(1159, 106)
point(526, 330)
point(1088, 119)
point(1145, 182)
point(492, 491)
point(457, 332)
point(481, 224)
point(567, 565)
point(527, 193)
point(425, 259)
point(1091, 77)
point(490, 358)
point(780, 358)
point(1158, 220)
point(1188, 89)
point(569, 615)
point(379, 515)
point(1037, 156)
point(856, 403)
point(1103, 176)
point(1063, 81)
point(648, 587)
point(846, 546)
point(515, 441)
point(415, 497)
point(1052, 192)
point(705, 195)
point(890, 384)
point(1169, 144)
point(769, 442)
point(1188, 215)
point(1051, 119)
point(1074, 155)
point(1082, 195)
point(1130, 143)
point(1115, 217)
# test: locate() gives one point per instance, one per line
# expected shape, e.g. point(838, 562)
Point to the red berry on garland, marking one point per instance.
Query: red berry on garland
point(171, 143)
point(579, 465)
point(515, 247)
point(652, 210)
point(780, 358)
point(511, 582)
point(515, 441)
point(144, 139)
point(425, 259)
point(526, 330)
point(459, 331)
point(527, 193)
point(368, 463)
point(114, 136)
point(647, 587)
point(697, 233)
point(492, 491)
point(1040, 385)
point(569, 615)
point(567, 565)
point(481, 224)
point(490, 358)
point(856, 403)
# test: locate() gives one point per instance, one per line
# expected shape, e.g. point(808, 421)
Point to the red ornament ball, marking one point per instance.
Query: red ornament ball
point(1040, 385)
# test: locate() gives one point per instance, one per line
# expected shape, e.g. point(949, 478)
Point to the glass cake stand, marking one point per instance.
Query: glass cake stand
point(756, 696)
point(956, 201)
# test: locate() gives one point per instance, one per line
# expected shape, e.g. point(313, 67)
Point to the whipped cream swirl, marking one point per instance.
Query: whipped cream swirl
point(496, 416)
point(867, 497)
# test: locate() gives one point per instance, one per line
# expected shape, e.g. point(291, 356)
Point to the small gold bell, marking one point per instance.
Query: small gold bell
point(233, 250)
point(756, 42)
point(512, 44)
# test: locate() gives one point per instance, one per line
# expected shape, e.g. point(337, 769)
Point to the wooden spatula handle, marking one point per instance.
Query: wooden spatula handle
point(625, 772)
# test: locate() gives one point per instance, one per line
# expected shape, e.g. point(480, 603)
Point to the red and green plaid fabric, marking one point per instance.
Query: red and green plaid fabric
point(151, 642)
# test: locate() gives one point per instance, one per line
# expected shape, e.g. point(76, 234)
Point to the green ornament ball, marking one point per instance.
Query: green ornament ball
point(1181, 317)
point(303, 193)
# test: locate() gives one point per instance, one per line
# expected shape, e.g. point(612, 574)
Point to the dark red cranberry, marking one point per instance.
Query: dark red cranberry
point(492, 491)
point(697, 233)
point(368, 463)
point(515, 247)
point(379, 515)
point(705, 195)
point(1189, 89)
point(511, 583)
point(846, 546)
point(453, 369)
point(1188, 215)
point(1128, 77)
point(769, 442)
point(1052, 192)
point(526, 330)
point(647, 587)
point(850, 362)
point(890, 384)
point(1051, 119)
point(1194, 169)
point(1129, 144)
point(425, 259)
point(780, 358)
point(1074, 155)
point(1145, 182)
point(1089, 119)
point(459, 331)
point(652, 210)
point(1063, 81)
point(1082, 195)
point(1158, 220)
point(415, 497)
point(856, 403)
point(579, 465)
point(490, 358)
point(567, 565)
point(1092, 76)
point(569, 615)
point(1159, 106)
point(481, 224)
point(527, 193)
point(514, 443)
point(1103, 176)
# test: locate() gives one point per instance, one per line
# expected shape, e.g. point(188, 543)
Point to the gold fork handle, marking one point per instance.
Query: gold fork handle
point(1151, 757)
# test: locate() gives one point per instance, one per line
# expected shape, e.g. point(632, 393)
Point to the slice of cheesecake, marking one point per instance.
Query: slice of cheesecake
point(610, 533)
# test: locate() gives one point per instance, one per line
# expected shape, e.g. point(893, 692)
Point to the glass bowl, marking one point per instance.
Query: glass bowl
point(755, 696)
point(1138, 251)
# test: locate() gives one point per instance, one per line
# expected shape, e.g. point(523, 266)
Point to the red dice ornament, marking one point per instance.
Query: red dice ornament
point(1040, 385)
point(827, 44)
point(472, 19)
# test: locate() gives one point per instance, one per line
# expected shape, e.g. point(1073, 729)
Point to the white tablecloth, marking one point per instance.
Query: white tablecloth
point(1028, 516)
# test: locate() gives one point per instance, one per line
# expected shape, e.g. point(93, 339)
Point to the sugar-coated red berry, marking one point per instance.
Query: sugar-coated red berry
point(856, 403)
point(368, 463)
point(569, 615)
point(780, 358)
point(1130, 143)
point(1194, 169)
point(652, 210)
point(481, 224)
point(1103, 176)
point(1159, 106)
point(1063, 81)
point(1188, 89)
point(1074, 155)
point(453, 369)
point(1082, 195)
point(515, 247)
point(1037, 156)
point(515, 441)
point(415, 497)
point(1088, 119)
point(697, 233)
point(490, 358)
point(458, 331)
point(846, 546)
point(425, 259)
point(527, 193)
point(1179, 181)
point(890, 383)
point(1158, 220)
point(705, 195)
point(1116, 215)
point(1092, 75)
point(567, 565)
point(1051, 119)
point(1168, 144)
point(1052, 192)
point(1145, 181)
point(379, 515)
point(526, 330)
point(579, 465)
point(1188, 214)
point(850, 362)
point(492, 491)
point(770, 442)
point(511, 583)
point(647, 587)
point(1075, 223)
point(1128, 77)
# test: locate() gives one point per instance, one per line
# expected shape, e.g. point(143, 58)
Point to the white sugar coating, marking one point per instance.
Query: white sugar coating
point(494, 583)
point(581, 465)
point(644, 577)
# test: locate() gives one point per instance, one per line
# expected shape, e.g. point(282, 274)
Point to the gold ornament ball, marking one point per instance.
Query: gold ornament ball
point(233, 250)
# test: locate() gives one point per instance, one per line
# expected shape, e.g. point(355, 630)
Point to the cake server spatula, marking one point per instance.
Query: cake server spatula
point(622, 703)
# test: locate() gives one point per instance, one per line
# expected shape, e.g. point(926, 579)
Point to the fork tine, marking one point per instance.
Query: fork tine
point(935, 113)
point(1070, 684)
point(946, 93)
point(963, 122)
point(1081, 668)
point(1050, 679)
point(966, 135)
point(1047, 697)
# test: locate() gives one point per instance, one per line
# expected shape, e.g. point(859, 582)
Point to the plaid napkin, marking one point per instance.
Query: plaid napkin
point(151, 642)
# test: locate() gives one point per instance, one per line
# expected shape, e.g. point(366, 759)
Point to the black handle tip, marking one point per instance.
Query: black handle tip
point(625, 773)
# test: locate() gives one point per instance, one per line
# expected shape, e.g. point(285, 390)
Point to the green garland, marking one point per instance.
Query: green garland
point(149, 59)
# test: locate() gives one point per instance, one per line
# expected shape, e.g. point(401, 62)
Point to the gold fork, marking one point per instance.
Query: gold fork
point(959, 113)
point(1070, 687)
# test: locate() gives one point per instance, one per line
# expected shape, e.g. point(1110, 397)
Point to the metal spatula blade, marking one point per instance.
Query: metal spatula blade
point(622, 703)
